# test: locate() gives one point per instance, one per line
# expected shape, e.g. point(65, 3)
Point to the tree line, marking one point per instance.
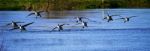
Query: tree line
point(49, 5)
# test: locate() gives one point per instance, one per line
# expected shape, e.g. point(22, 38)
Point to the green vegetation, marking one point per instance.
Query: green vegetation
point(48, 5)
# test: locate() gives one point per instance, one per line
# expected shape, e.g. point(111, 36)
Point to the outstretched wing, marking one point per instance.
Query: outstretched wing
point(8, 24)
point(93, 20)
point(54, 28)
point(119, 18)
point(105, 17)
point(115, 15)
point(63, 24)
point(28, 24)
point(30, 14)
point(132, 16)
point(107, 14)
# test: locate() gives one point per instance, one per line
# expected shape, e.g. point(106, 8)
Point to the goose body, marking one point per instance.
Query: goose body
point(109, 17)
point(84, 24)
point(79, 19)
point(14, 24)
point(126, 19)
point(60, 27)
point(22, 28)
point(36, 13)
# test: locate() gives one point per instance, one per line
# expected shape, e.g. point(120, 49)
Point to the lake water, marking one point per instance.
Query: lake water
point(98, 36)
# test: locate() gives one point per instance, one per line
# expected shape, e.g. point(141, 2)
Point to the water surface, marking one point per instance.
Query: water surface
point(104, 36)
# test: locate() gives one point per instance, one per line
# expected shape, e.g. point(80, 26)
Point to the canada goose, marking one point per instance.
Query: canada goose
point(109, 17)
point(59, 26)
point(127, 19)
point(84, 24)
point(36, 13)
point(22, 27)
point(14, 24)
point(79, 19)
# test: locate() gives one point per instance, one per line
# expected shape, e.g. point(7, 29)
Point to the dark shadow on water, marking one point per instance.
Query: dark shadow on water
point(39, 42)
point(78, 30)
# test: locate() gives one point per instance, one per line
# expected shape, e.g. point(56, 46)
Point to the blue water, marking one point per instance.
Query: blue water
point(103, 36)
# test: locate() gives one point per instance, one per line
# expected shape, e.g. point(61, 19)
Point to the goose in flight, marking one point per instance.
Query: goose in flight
point(36, 13)
point(60, 27)
point(127, 19)
point(80, 20)
point(14, 24)
point(84, 24)
point(109, 17)
point(22, 27)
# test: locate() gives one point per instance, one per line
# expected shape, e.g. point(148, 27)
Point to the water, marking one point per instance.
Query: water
point(103, 36)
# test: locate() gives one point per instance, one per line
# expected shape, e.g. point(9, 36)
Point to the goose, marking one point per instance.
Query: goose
point(84, 24)
point(79, 19)
point(60, 27)
point(14, 24)
point(127, 19)
point(109, 17)
point(36, 13)
point(22, 27)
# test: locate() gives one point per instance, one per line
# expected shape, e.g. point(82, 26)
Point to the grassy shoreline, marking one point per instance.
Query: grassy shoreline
point(48, 5)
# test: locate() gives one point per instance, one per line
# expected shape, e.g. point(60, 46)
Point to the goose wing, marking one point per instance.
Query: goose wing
point(28, 24)
point(115, 15)
point(30, 14)
point(107, 14)
point(8, 24)
point(93, 20)
point(132, 16)
point(64, 24)
point(105, 17)
point(54, 28)
point(119, 18)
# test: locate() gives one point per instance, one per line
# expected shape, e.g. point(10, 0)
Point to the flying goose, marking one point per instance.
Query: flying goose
point(109, 17)
point(80, 19)
point(14, 24)
point(84, 24)
point(22, 27)
point(59, 26)
point(127, 19)
point(36, 13)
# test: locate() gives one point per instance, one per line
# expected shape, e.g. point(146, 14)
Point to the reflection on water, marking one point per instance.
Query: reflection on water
point(63, 14)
